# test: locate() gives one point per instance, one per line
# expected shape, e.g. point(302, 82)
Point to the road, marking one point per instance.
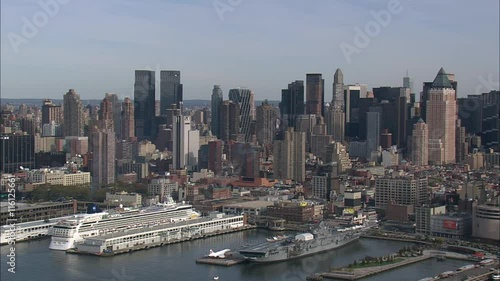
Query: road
point(468, 274)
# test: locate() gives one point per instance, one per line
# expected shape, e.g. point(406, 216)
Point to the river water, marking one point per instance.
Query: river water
point(176, 262)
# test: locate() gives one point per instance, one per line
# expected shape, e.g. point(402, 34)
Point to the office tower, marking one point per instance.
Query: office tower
point(116, 108)
point(17, 151)
point(170, 89)
point(404, 190)
point(335, 124)
point(266, 123)
point(229, 120)
point(128, 123)
point(442, 116)
point(292, 102)
point(106, 115)
point(245, 100)
point(338, 90)
point(356, 105)
point(407, 82)
point(215, 156)
point(337, 153)
point(73, 114)
point(314, 94)
point(51, 112)
point(180, 136)
point(186, 144)
point(461, 146)
point(144, 103)
point(491, 120)
point(469, 113)
point(28, 124)
point(217, 98)
point(289, 156)
point(424, 95)
point(419, 144)
point(103, 156)
point(373, 130)
point(385, 139)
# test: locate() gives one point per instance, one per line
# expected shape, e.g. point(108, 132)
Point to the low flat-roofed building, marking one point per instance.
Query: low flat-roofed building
point(253, 208)
point(124, 198)
point(451, 226)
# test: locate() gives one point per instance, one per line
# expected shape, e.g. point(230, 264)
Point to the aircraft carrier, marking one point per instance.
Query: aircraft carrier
point(321, 239)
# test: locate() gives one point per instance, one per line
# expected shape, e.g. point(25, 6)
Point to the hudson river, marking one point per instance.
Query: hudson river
point(34, 261)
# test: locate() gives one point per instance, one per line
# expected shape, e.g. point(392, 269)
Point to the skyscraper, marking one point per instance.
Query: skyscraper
point(419, 144)
point(103, 156)
point(128, 123)
point(266, 123)
point(106, 115)
point(180, 136)
point(372, 130)
point(144, 103)
point(491, 120)
point(424, 95)
point(215, 156)
point(245, 99)
point(314, 94)
point(338, 90)
point(289, 156)
point(51, 112)
point(335, 123)
point(17, 151)
point(116, 107)
point(217, 98)
point(229, 120)
point(73, 114)
point(292, 102)
point(170, 89)
point(442, 116)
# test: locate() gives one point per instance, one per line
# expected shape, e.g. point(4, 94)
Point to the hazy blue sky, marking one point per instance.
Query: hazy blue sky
point(94, 46)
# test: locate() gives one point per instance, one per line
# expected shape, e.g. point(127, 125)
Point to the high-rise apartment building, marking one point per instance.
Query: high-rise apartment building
point(442, 116)
point(491, 120)
point(289, 156)
point(314, 94)
point(373, 130)
point(215, 156)
point(266, 123)
point(419, 144)
point(73, 114)
point(103, 156)
point(106, 114)
point(337, 153)
point(128, 123)
point(292, 102)
point(245, 100)
point(180, 136)
point(217, 98)
point(51, 112)
point(170, 89)
point(144, 103)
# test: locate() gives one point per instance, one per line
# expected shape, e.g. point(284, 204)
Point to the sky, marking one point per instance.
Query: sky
point(94, 46)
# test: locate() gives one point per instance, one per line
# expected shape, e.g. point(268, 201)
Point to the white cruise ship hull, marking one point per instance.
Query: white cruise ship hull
point(61, 244)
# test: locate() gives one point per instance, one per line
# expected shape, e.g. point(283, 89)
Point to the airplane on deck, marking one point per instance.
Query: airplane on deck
point(219, 254)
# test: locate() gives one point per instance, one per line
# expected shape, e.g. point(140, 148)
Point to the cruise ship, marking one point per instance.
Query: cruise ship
point(27, 230)
point(75, 229)
point(321, 239)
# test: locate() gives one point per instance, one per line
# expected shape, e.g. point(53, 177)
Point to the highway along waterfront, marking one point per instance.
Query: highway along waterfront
point(176, 262)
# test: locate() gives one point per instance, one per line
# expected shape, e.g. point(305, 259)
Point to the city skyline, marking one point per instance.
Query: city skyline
point(101, 57)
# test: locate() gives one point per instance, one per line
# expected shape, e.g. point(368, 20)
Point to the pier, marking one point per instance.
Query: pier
point(141, 239)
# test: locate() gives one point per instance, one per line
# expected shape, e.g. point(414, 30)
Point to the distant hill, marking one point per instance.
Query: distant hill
point(187, 103)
